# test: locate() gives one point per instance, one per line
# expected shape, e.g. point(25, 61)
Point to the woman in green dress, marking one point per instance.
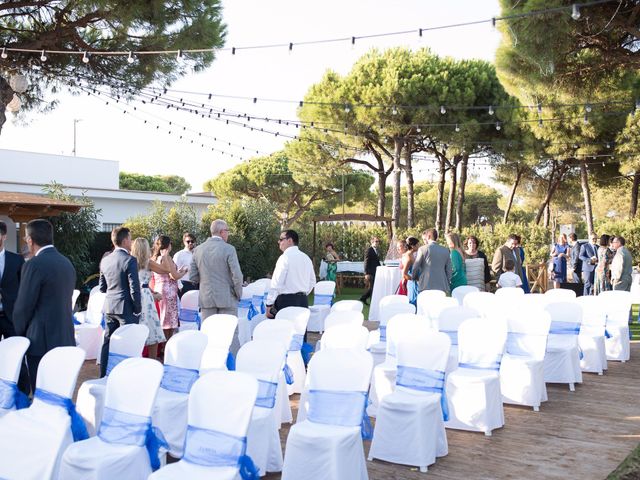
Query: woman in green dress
point(601, 282)
point(332, 258)
point(458, 272)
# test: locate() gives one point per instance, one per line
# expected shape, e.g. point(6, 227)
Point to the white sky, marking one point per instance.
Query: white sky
point(105, 132)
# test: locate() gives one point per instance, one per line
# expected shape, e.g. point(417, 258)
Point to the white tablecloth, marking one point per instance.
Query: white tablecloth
point(386, 283)
point(356, 267)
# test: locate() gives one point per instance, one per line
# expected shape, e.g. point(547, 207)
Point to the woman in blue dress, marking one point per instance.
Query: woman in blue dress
point(525, 280)
point(559, 255)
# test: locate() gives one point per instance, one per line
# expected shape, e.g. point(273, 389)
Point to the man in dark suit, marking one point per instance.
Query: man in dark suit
point(371, 264)
point(42, 311)
point(589, 257)
point(576, 263)
point(119, 280)
point(10, 266)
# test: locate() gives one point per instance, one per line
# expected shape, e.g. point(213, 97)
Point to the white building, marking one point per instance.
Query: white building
point(28, 172)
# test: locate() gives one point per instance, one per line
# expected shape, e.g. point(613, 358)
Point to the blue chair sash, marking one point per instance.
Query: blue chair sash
point(424, 380)
point(103, 322)
point(78, 428)
point(288, 374)
point(114, 359)
point(248, 304)
point(178, 379)
point(231, 362)
point(266, 394)
point(453, 335)
point(211, 448)
point(306, 351)
point(188, 315)
point(343, 408)
point(322, 299)
point(129, 429)
point(296, 343)
point(75, 320)
point(383, 333)
point(564, 328)
point(258, 303)
point(11, 396)
point(492, 364)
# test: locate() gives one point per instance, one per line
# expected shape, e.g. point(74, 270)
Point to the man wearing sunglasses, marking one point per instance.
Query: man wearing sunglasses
point(183, 260)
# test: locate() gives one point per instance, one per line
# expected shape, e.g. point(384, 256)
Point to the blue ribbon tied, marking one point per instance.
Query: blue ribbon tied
point(483, 364)
point(114, 359)
point(296, 343)
point(343, 408)
point(288, 373)
point(178, 379)
point(125, 428)
point(424, 380)
point(211, 448)
point(11, 396)
point(258, 304)
point(266, 394)
point(564, 328)
point(103, 322)
point(231, 362)
point(453, 336)
point(78, 428)
point(75, 320)
point(322, 299)
point(248, 304)
point(190, 316)
point(383, 333)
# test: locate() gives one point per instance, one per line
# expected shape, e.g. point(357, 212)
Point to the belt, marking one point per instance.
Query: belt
point(145, 285)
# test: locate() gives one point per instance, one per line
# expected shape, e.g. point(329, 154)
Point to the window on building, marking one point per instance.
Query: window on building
point(107, 227)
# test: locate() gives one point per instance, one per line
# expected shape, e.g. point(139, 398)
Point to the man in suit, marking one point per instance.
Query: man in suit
point(371, 264)
point(589, 257)
point(576, 263)
point(119, 280)
point(215, 268)
point(10, 266)
point(506, 252)
point(42, 311)
point(621, 265)
point(432, 268)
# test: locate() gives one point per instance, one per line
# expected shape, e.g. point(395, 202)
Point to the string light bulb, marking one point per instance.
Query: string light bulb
point(130, 58)
point(442, 110)
point(587, 108)
point(575, 11)
point(347, 108)
point(498, 126)
point(418, 129)
point(491, 112)
point(85, 58)
point(4, 53)
point(179, 55)
point(457, 127)
point(43, 56)
point(394, 111)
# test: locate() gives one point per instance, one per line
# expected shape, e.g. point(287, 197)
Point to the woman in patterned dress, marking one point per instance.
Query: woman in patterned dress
point(601, 281)
point(167, 285)
point(149, 317)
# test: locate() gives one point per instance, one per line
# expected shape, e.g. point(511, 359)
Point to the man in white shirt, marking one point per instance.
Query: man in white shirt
point(183, 259)
point(293, 278)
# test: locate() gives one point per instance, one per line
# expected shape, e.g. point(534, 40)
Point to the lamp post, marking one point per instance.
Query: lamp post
point(75, 122)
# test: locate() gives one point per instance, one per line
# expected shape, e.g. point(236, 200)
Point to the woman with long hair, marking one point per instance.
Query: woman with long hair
point(559, 255)
point(602, 281)
point(408, 260)
point(458, 271)
point(403, 248)
point(332, 258)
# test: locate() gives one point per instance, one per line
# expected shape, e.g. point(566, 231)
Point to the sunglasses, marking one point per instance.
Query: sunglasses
point(189, 241)
point(282, 239)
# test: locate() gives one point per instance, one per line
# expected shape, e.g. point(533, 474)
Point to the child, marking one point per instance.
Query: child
point(508, 278)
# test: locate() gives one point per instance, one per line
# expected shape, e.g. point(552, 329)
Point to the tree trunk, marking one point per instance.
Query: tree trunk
point(382, 186)
point(453, 179)
point(397, 173)
point(461, 188)
point(633, 208)
point(554, 181)
point(547, 217)
point(442, 171)
point(6, 95)
point(408, 171)
point(586, 193)
point(512, 193)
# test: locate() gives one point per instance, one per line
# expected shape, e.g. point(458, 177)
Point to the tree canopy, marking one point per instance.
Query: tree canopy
point(154, 183)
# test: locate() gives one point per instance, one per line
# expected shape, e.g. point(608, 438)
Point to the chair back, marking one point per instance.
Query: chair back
point(432, 306)
point(74, 298)
point(342, 370)
point(132, 386)
point(566, 318)
point(213, 358)
point(185, 349)
point(462, 291)
point(481, 344)
point(262, 359)
point(450, 319)
point(394, 309)
point(617, 304)
point(528, 333)
point(343, 317)
point(347, 335)
point(219, 329)
point(274, 330)
point(129, 340)
point(401, 327)
point(594, 315)
point(427, 350)
point(485, 303)
point(509, 293)
point(12, 352)
point(560, 294)
point(347, 305)
point(298, 316)
point(190, 300)
point(95, 307)
point(325, 288)
point(390, 299)
point(58, 370)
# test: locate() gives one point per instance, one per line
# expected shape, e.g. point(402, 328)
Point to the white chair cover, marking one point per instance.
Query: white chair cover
point(89, 325)
point(182, 360)
point(509, 294)
point(12, 352)
point(562, 361)
point(378, 338)
point(74, 298)
point(213, 358)
point(347, 305)
point(32, 440)
point(220, 406)
point(473, 390)
point(462, 291)
point(263, 359)
point(592, 335)
point(118, 451)
point(299, 317)
point(431, 306)
point(617, 305)
point(560, 294)
point(522, 368)
point(348, 335)
point(448, 322)
point(126, 342)
point(485, 303)
point(321, 447)
point(428, 297)
point(247, 310)
point(190, 311)
point(219, 329)
point(410, 421)
point(322, 297)
point(343, 317)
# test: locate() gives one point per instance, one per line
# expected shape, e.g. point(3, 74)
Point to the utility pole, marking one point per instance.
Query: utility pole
point(75, 122)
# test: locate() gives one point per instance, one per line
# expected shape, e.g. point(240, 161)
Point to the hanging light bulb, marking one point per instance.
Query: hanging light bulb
point(457, 128)
point(442, 110)
point(539, 122)
point(498, 126)
point(418, 129)
point(394, 110)
point(539, 109)
point(347, 108)
point(85, 58)
point(43, 56)
point(575, 11)
point(585, 119)
point(608, 145)
point(491, 112)
point(4, 53)
point(179, 55)
point(130, 58)
point(587, 108)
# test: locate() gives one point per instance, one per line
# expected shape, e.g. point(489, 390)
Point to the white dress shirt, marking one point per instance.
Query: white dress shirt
point(293, 273)
point(183, 259)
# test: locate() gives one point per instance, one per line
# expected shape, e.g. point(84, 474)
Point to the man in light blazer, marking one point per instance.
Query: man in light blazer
point(215, 268)
point(432, 268)
point(504, 253)
point(42, 311)
point(621, 265)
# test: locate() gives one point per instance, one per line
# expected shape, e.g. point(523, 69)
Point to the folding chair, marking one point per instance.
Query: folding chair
point(560, 294)
point(219, 329)
point(12, 352)
point(89, 325)
point(591, 339)
point(462, 291)
point(378, 338)
point(323, 293)
point(347, 305)
point(189, 315)
point(617, 305)
point(449, 322)
point(431, 305)
point(247, 310)
point(562, 361)
point(298, 316)
point(485, 303)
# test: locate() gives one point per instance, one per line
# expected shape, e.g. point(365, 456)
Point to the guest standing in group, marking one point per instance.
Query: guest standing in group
point(432, 268)
point(458, 272)
point(559, 255)
point(149, 316)
point(509, 279)
point(410, 258)
point(504, 253)
point(167, 285)
point(589, 258)
point(42, 311)
point(576, 263)
point(621, 265)
point(183, 260)
point(332, 258)
point(216, 270)
point(523, 270)
point(602, 276)
point(403, 251)
point(371, 264)
point(477, 265)
point(119, 280)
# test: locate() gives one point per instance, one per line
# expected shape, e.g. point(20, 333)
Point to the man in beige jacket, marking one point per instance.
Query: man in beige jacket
point(216, 269)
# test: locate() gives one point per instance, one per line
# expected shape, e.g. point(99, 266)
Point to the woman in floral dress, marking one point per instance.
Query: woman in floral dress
point(601, 282)
point(167, 285)
point(149, 317)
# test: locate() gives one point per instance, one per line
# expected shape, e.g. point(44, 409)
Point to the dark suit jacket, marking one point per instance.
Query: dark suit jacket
point(42, 311)
point(575, 257)
point(10, 281)
point(119, 280)
point(587, 251)
point(371, 261)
